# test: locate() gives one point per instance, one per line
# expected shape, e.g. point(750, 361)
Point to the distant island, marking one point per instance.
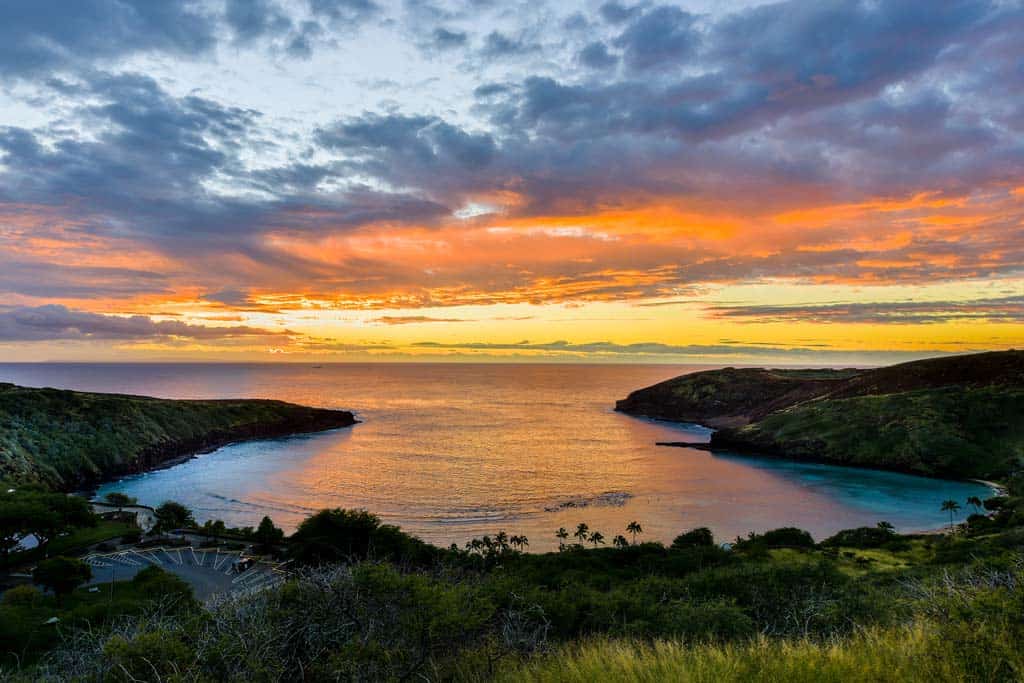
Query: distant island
point(955, 417)
point(68, 439)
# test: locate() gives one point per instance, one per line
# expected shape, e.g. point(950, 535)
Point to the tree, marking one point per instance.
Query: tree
point(886, 527)
point(119, 499)
point(174, 515)
point(975, 503)
point(56, 513)
point(340, 535)
point(518, 542)
point(634, 528)
point(620, 541)
point(561, 535)
point(596, 537)
point(17, 518)
point(61, 575)
point(701, 537)
point(267, 535)
point(952, 506)
point(40, 513)
point(581, 532)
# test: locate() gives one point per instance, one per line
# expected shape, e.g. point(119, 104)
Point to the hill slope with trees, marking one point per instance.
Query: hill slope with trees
point(959, 416)
point(68, 439)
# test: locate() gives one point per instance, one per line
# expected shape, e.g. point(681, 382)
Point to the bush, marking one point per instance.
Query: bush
point(861, 537)
point(786, 537)
point(341, 535)
point(25, 595)
point(695, 538)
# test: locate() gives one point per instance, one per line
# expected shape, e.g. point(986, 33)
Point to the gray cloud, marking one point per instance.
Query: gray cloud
point(254, 19)
point(54, 322)
point(617, 12)
point(497, 45)
point(596, 56)
point(445, 39)
point(41, 36)
point(664, 36)
point(658, 350)
point(1008, 309)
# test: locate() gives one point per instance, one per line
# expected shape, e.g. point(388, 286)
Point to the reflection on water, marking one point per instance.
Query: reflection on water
point(455, 451)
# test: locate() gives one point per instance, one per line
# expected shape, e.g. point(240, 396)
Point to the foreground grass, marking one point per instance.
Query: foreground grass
point(907, 654)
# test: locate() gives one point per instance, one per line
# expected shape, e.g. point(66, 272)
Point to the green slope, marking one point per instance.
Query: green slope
point(957, 416)
point(66, 439)
point(949, 432)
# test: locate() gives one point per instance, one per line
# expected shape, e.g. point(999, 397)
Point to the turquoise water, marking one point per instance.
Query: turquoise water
point(455, 451)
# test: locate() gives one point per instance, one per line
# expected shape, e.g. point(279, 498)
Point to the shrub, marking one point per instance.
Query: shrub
point(695, 538)
point(25, 595)
point(341, 535)
point(861, 537)
point(786, 537)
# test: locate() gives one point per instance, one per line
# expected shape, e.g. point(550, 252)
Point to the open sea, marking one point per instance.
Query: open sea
point(453, 451)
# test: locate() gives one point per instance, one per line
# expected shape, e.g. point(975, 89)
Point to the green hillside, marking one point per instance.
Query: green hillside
point(957, 416)
point(949, 432)
point(66, 439)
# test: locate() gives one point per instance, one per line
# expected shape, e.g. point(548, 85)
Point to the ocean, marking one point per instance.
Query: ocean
point(453, 451)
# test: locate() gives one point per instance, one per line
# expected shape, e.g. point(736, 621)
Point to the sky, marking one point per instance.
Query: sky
point(820, 182)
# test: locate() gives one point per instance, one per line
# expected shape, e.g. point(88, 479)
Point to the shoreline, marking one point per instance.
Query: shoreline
point(90, 490)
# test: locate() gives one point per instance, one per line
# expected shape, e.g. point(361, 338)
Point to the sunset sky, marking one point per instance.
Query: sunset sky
point(350, 180)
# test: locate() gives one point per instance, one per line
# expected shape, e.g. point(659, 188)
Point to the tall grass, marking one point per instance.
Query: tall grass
point(875, 655)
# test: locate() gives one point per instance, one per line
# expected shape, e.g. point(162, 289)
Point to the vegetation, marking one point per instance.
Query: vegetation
point(957, 417)
point(173, 515)
point(28, 629)
point(119, 500)
point(39, 513)
point(268, 536)
point(61, 575)
point(65, 439)
point(907, 654)
point(951, 432)
point(366, 601)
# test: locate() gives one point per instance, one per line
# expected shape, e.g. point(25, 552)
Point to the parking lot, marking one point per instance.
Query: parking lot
point(209, 572)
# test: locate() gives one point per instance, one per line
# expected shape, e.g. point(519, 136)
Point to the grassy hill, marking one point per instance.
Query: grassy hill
point(960, 416)
point(67, 439)
point(731, 396)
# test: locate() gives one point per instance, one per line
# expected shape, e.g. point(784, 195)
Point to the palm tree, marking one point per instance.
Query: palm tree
point(886, 526)
point(952, 506)
point(524, 542)
point(501, 539)
point(634, 528)
point(596, 537)
point(620, 541)
point(581, 531)
point(561, 535)
point(975, 503)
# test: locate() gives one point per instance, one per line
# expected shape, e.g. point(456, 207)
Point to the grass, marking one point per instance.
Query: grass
point(873, 655)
